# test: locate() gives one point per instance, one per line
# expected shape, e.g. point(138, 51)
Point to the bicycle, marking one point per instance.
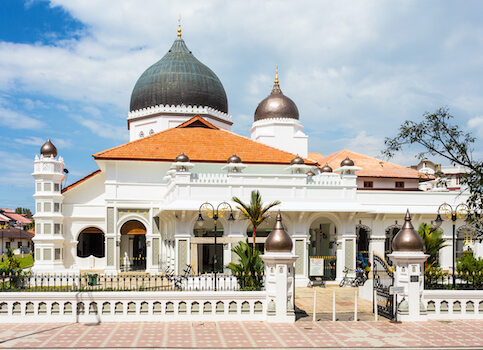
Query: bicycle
point(357, 281)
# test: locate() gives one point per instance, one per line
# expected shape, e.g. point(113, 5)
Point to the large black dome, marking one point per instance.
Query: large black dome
point(179, 79)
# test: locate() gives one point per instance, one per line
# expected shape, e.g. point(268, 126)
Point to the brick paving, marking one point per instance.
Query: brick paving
point(242, 335)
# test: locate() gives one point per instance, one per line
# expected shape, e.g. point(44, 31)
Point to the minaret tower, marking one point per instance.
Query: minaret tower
point(277, 124)
point(49, 239)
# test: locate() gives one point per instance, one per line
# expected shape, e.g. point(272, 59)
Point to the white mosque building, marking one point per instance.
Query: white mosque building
point(139, 210)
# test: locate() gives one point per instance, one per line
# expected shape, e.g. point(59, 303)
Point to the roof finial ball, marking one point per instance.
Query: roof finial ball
point(48, 149)
point(278, 241)
point(408, 239)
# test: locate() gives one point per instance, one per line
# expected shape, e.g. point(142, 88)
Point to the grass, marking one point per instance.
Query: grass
point(26, 261)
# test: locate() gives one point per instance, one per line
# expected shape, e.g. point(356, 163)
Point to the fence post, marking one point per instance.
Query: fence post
point(333, 306)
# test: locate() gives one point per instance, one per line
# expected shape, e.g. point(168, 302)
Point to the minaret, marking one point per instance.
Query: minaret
point(276, 123)
point(49, 239)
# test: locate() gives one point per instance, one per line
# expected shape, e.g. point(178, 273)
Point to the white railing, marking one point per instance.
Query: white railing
point(453, 304)
point(44, 307)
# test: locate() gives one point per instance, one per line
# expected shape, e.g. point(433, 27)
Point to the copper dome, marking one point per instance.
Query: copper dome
point(182, 158)
point(276, 105)
point(310, 173)
point(278, 240)
point(347, 162)
point(407, 239)
point(234, 159)
point(297, 160)
point(48, 149)
point(326, 168)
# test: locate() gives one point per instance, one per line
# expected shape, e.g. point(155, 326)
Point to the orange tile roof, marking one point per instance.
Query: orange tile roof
point(78, 182)
point(315, 156)
point(371, 167)
point(201, 143)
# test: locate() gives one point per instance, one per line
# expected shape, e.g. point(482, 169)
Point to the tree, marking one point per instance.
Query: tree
point(249, 270)
point(23, 211)
point(255, 212)
point(433, 243)
point(439, 137)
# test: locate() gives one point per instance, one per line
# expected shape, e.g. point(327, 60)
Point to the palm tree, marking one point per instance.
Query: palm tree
point(255, 212)
point(433, 243)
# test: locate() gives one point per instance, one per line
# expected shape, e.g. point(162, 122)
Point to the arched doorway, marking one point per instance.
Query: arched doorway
point(205, 236)
point(391, 231)
point(133, 245)
point(363, 232)
point(464, 240)
point(91, 242)
point(322, 249)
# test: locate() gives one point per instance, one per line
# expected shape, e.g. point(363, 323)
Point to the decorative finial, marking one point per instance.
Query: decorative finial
point(179, 27)
point(276, 75)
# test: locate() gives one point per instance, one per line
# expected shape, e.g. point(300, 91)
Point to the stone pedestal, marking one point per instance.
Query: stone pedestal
point(280, 286)
point(409, 274)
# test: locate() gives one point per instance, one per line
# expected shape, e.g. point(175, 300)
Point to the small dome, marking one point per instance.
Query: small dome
point(347, 162)
point(276, 105)
point(310, 173)
point(182, 158)
point(297, 160)
point(48, 149)
point(234, 159)
point(179, 79)
point(278, 240)
point(407, 239)
point(326, 168)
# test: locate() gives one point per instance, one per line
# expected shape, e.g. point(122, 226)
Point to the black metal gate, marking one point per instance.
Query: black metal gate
point(383, 279)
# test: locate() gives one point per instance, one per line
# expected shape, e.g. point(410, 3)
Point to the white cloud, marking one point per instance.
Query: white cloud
point(16, 170)
point(15, 120)
point(476, 125)
point(103, 129)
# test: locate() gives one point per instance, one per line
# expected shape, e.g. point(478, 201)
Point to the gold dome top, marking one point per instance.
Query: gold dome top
point(278, 240)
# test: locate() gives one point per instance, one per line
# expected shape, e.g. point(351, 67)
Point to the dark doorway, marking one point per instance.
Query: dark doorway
point(91, 242)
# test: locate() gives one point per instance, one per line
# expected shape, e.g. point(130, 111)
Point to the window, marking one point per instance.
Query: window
point(57, 253)
point(39, 207)
point(39, 187)
point(48, 186)
point(399, 184)
point(19, 244)
point(368, 184)
point(47, 206)
point(141, 134)
point(7, 245)
point(56, 187)
point(47, 229)
point(56, 229)
point(56, 207)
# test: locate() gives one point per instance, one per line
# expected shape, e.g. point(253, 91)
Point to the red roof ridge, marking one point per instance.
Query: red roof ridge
point(78, 182)
point(274, 148)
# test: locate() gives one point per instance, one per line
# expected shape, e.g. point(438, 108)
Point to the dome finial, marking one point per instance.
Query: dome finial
point(179, 27)
point(276, 75)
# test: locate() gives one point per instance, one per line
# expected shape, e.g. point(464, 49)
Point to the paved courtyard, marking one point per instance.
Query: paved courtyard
point(211, 335)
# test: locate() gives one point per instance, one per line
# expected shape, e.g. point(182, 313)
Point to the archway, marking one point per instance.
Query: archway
point(391, 231)
point(133, 245)
point(363, 232)
point(464, 240)
point(322, 249)
point(206, 246)
point(91, 242)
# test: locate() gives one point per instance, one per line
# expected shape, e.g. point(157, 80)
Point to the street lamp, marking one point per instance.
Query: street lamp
point(452, 214)
point(215, 214)
point(3, 230)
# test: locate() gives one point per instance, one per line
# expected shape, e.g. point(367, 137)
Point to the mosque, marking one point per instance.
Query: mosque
point(139, 210)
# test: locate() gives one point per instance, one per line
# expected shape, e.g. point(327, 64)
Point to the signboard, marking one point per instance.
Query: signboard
point(316, 266)
point(396, 290)
point(414, 278)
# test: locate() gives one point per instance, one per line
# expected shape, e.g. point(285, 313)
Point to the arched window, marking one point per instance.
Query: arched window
point(91, 242)
point(141, 134)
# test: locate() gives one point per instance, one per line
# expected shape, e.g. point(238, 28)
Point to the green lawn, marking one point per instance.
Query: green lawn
point(26, 261)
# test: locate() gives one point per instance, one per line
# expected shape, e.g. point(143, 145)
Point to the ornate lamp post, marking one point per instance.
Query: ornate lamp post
point(453, 214)
point(215, 214)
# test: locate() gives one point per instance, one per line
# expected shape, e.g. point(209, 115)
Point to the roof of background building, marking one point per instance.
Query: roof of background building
point(371, 167)
point(15, 233)
point(201, 142)
point(17, 217)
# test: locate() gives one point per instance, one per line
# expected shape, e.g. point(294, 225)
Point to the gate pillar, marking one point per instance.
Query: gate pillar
point(409, 259)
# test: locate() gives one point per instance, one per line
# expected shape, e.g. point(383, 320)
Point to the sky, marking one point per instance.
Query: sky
point(355, 69)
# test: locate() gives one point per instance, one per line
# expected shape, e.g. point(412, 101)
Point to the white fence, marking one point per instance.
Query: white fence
point(43, 307)
point(453, 304)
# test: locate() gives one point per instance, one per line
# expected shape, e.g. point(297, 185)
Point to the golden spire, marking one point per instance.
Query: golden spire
point(179, 27)
point(276, 75)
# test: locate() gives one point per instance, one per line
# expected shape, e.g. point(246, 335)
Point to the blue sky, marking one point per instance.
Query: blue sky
point(356, 70)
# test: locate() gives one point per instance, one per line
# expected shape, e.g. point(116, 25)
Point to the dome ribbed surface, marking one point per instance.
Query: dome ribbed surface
point(276, 105)
point(179, 79)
